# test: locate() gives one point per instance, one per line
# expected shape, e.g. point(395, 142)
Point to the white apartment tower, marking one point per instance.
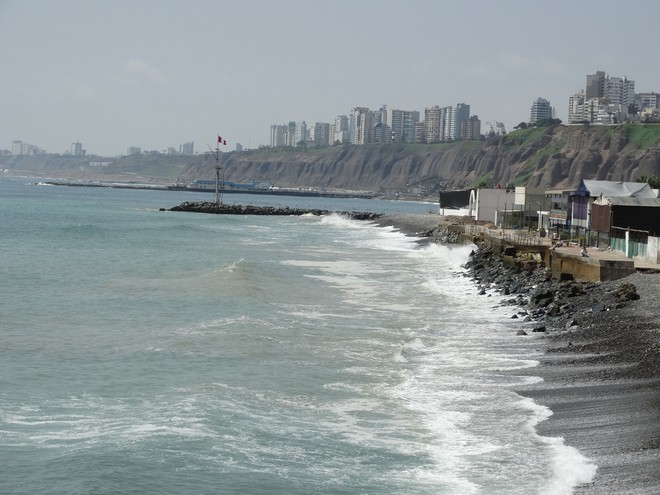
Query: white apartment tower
point(301, 135)
point(541, 110)
point(358, 120)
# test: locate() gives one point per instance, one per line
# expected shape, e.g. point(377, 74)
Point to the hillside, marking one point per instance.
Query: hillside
point(551, 157)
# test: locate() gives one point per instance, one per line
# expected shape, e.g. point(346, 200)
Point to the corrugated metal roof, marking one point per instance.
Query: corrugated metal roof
point(628, 201)
point(612, 189)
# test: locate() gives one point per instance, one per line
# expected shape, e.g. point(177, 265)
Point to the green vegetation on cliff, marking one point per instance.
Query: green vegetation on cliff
point(643, 135)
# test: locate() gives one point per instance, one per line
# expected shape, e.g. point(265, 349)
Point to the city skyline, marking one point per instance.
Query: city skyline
point(154, 76)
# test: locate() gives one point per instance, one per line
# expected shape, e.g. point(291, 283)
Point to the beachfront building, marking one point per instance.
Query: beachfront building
point(589, 190)
point(557, 202)
point(491, 205)
point(512, 208)
point(629, 225)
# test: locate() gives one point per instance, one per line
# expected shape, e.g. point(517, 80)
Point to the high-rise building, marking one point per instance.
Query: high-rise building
point(420, 132)
point(77, 149)
point(472, 129)
point(134, 150)
point(278, 135)
point(647, 101)
point(341, 129)
point(301, 133)
point(620, 91)
point(291, 134)
point(460, 113)
point(432, 124)
point(541, 110)
point(595, 85)
point(321, 134)
point(187, 149)
point(403, 123)
point(382, 133)
point(381, 115)
point(617, 90)
point(576, 108)
point(358, 119)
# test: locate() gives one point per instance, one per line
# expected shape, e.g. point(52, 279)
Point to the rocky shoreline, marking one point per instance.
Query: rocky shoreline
point(599, 358)
point(230, 209)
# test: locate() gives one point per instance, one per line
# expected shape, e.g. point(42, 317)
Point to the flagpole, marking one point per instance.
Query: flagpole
point(216, 154)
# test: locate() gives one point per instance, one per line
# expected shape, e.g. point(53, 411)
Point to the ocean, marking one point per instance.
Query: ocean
point(146, 351)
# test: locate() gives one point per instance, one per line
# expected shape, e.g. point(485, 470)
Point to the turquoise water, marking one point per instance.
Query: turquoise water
point(144, 351)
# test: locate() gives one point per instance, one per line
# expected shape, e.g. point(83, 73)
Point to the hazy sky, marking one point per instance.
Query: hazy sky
point(155, 74)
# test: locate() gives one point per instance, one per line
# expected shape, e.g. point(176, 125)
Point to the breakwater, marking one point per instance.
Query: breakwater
point(224, 209)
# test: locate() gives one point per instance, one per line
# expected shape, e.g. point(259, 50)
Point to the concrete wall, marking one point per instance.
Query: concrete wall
point(595, 270)
point(491, 200)
point(652, 250)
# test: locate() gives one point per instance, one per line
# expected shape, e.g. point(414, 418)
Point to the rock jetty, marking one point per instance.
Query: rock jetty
point(225, 209)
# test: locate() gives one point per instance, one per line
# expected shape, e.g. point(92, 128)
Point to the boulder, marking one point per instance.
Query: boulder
point(627, 292)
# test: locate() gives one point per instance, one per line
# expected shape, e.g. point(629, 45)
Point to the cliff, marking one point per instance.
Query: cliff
point(550, 157)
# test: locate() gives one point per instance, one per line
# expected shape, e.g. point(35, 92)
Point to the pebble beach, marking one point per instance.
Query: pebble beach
point(600, 363)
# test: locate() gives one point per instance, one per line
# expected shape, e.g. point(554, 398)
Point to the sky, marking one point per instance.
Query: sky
point(156, 74)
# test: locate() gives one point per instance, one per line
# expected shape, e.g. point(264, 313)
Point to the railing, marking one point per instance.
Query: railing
point(526, 239)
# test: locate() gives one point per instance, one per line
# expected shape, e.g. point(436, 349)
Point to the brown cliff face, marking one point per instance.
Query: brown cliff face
point(552, 157)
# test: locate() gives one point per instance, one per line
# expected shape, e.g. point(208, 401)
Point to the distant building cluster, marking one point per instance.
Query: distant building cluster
point(611, 100)
point(21, 148)
point(186, 149)
point(362, 126)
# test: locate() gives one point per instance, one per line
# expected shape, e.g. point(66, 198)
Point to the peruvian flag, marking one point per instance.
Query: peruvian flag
point(222, 141)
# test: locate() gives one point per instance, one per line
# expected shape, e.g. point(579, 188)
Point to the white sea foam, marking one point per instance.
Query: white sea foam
point(337, 354)
point(569, 466)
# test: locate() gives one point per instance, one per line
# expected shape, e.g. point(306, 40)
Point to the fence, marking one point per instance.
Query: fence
point(632, 243)
point(526, 239)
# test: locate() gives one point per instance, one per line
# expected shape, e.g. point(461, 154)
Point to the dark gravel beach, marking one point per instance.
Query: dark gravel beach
point(600, 359)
